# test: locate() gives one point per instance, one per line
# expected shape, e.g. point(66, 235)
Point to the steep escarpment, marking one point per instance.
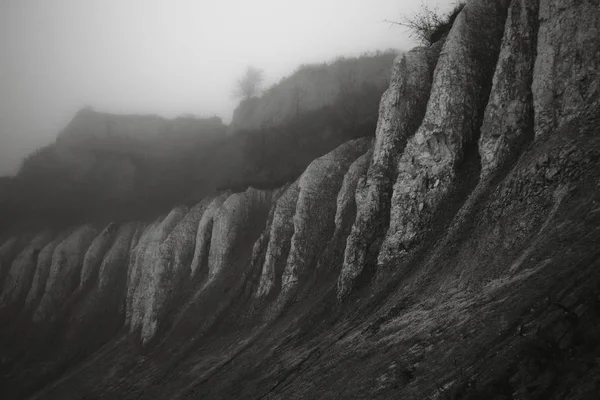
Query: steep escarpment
point(455, 256)
point(401, 110)
point(427, 168)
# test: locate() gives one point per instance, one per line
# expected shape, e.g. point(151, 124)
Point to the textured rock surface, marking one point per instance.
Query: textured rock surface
point(117, 257)
point(508, 121)
point(400, 114)
point(143, 282)
point(203, 237)
point(282, 229)
point(65, 272)
point(134, 269)
point(22, 270)
point(426, 170)
point(230, 222)
point(314, 220)
point(42, 270)
point(169, 269)
point(95, 254)
point(345, 213)
point(567, 67)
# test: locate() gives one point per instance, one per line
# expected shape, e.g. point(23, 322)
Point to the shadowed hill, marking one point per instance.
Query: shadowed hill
point(106, 167)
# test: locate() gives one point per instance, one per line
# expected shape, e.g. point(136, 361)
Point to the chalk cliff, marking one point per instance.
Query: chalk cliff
point(453, 256)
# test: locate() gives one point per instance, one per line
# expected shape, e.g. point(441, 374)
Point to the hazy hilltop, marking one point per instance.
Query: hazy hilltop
point(104, 166)
point(311, 87)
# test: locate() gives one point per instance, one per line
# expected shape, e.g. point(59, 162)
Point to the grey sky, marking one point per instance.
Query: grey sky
point(168, 57)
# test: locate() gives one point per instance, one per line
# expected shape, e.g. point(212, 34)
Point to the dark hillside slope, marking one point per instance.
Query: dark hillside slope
point(455, 256)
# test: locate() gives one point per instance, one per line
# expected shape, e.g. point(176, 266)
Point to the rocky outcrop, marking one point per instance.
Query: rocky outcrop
point(400, 113)
point(42, 270)
point(427, 168)
point(314, 219)
point(168, 270)
point(143, 276)
point(20, 276)
point(203, 236)
point(95, 254)
point(114, 264)
point(508, 121)
point(567, 66)
point(280, 236)
point(345, 213)
point(231, 222)
point(65, 272)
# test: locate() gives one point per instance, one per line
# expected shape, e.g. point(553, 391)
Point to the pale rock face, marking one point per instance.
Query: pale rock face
point(401, 111)
point(346, 202)
point(314, 219)
point(567, 67)
point(333, 256)
point(22, 270)
point(65, 272)
point(203, 235)
point(95, 254)
point(451, 124)
point(147, 257)
point(259, 250)
point(171, 267)
point(42, 270)
point(229, 223)
point(117, 256)
point(141, 240)
point(280, 236)
point(508, 122)
point(136, 263)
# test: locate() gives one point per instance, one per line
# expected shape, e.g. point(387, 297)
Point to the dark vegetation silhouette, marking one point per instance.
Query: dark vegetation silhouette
point(429, 26)
point(249, 84)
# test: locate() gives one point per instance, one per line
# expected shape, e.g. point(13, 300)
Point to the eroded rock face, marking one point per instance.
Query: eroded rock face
point(42, 270)
point(280, 236)
point(143, 238)
point(22, 270)
point(204, 233)
point(346, 204)
point(117, 257)
point(230, 223)
point(400, 114)
point(426, 170)
point(567, 67)
point(65, 272)
point(508, 121)
point(314, 219)
point(95, 254)
point(169, 269)
point(143, 276)
point(345, 213)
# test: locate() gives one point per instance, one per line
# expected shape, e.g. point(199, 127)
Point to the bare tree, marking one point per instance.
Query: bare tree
point(429, 25)
point(249, 84)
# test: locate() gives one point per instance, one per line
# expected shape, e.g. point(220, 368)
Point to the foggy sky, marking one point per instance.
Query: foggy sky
point(166, 57)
